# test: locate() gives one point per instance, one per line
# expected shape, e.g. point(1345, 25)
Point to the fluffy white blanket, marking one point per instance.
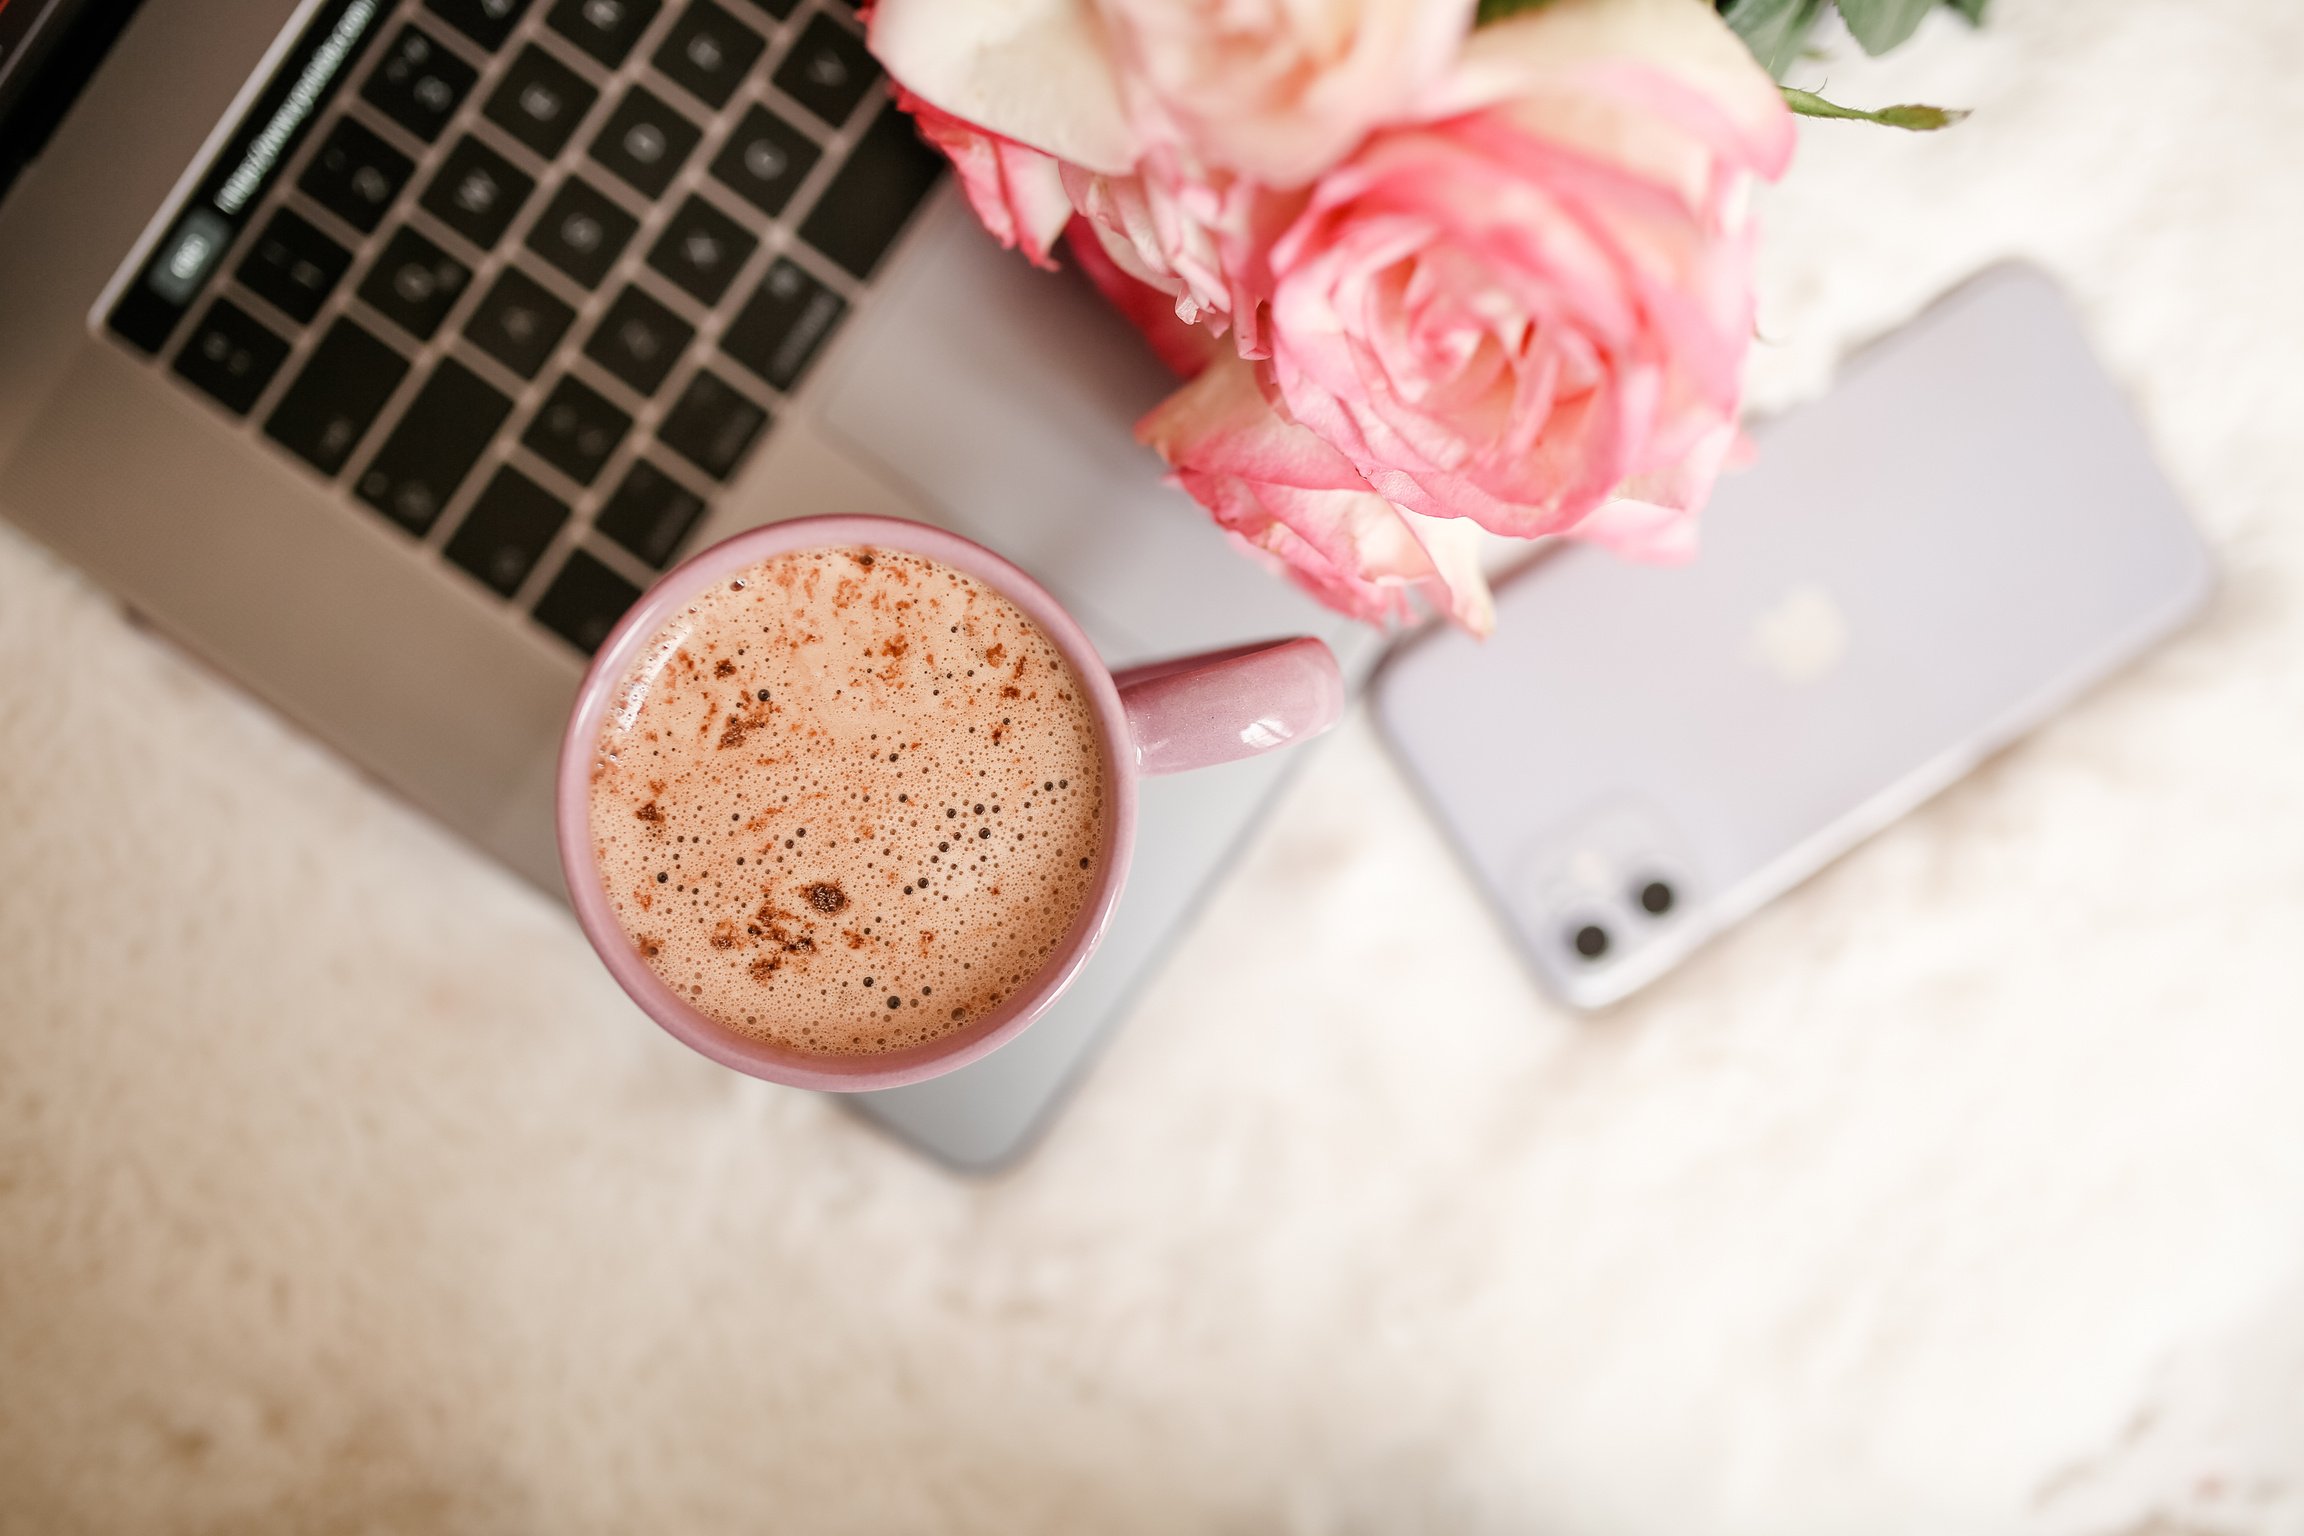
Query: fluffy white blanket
point(1962, 1191)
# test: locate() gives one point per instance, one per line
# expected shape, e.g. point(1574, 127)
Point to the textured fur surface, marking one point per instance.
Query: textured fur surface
point(1963, 1190)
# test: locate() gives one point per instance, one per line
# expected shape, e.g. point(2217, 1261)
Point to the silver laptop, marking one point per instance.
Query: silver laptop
point(381, 351)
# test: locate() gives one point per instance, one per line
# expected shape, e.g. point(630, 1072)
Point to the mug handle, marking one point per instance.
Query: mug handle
point(1219, 706)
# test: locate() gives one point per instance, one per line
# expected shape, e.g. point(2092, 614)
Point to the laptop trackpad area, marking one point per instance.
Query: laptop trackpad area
point(1006, 396)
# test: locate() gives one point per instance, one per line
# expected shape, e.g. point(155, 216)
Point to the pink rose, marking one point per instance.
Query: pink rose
point(1543, 294)
point(1295, 501)
point(1181, 127)
point(1276, 91)
point(1003, 80)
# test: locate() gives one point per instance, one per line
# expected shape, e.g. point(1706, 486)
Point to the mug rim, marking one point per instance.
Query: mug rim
point(588, 895)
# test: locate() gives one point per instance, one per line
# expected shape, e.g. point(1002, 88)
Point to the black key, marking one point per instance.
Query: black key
point(765, 160)
point(707, 52)
point(231, 356)
point(700, 250)
point(507, 531)
point(575, 430)
point(419, 84)
point(871, 196)
point(639, 340)
point(712, 425)
point(582, 232)
point(605, 29)
point(584, 602)
point(827, 70)
point(434, 447)
point(486, 22)
point(782, 326)
point(355, 175)
point(294, 266)
point(645, 141)
point(540, 101)
point(650, 513)
point(334, 401)
point(519, 322)
point(777, 8)
point(414, 283)
point(477, 191)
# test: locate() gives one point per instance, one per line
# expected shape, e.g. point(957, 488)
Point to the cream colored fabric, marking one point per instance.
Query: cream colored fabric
point(1962, 1191)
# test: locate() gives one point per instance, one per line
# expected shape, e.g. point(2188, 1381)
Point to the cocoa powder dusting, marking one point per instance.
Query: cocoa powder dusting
point(787, 853)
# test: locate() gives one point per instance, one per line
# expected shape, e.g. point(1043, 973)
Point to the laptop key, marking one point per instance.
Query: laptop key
point(231, 357)
point(650, 513)
point(828, 70)
point(519, 322)
point(711, 425)
point(605, 29)
point(765, 160)
point(540, 101)
point(575, 430)
point(476, 192)
point(584, 601)
point(708, 51)
point(434, 446)
point(777, 8)
point(645, 142)
point(701, 249)
point(872, 196)
point(419, 84)
point(783, 325)
point(293, 266)
point(414, 283)
point(355, 175)
point(507, 531)
point(639, 340)
point(334, 401)
point(486, 22)
point(582, 231)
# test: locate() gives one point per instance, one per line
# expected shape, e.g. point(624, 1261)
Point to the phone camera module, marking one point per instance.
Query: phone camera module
point(1657, 897)
point(1589, 940)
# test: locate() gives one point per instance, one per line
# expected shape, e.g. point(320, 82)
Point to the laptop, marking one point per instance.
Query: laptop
point(381, 351)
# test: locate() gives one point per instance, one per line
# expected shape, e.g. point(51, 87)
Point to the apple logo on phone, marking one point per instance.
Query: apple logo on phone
point(1802, 637)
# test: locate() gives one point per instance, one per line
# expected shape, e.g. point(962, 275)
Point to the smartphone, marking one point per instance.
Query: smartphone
point(1965, 534)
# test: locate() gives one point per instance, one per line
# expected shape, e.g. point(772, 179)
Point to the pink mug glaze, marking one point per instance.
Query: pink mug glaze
point(1163, 717)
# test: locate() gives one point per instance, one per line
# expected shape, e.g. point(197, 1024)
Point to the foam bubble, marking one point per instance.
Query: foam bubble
point(848, 801)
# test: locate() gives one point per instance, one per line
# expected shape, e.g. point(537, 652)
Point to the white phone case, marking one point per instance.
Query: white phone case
point(1967, 532)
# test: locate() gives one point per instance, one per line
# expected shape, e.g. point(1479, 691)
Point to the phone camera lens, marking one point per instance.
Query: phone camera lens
point(1657, 898)
point(1590, 941)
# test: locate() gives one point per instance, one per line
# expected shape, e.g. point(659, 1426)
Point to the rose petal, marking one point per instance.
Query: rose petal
point(1017, 192)
point(1035, 71)
point(1675, 58)
point(1281, 491)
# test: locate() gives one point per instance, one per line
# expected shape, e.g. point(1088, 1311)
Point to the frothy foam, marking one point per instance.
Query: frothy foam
point(848, 801)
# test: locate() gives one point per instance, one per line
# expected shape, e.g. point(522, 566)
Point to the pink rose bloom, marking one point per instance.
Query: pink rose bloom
point(1294, 501)
point(1542, 296)
point(996, 82)
point(1276, 91)
point(1172, 122)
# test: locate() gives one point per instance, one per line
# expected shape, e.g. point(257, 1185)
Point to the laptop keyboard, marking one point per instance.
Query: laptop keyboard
point(532, 278)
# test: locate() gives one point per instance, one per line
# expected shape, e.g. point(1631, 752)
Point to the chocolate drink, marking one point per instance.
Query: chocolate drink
point(848, 801)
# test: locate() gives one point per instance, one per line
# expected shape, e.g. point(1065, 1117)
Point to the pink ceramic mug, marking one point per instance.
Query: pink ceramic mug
point(1164, 717)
